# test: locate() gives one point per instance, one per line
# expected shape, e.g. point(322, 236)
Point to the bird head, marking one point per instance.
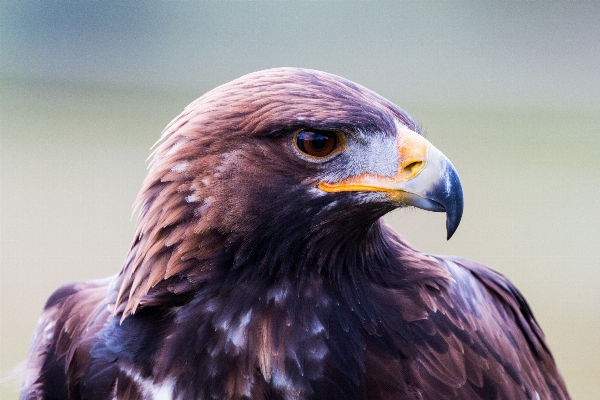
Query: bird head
point(272, 160)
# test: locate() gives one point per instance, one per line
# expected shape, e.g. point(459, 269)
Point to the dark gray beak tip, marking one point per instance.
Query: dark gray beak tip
point(451, 227)
point(453, 203)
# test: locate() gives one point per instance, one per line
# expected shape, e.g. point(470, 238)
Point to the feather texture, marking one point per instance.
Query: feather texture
point(244, 281)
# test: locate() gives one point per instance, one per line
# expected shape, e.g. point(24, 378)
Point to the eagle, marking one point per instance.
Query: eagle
point(261, 267)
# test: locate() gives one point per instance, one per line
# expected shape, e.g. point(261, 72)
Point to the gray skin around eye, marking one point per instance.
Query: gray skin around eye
point(378, 156)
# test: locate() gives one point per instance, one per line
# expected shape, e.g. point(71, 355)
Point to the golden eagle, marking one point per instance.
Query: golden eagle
point(261, 267)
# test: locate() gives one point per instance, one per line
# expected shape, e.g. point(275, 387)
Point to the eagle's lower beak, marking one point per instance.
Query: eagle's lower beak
point(425, 179)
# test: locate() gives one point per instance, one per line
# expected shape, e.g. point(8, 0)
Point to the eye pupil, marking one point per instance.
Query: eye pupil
point(316, 143)
point(319, 141)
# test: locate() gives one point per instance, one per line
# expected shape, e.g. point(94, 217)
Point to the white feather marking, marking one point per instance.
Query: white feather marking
point(193, 198)
point(49, 326)
point(211, 306)
point(180, 167)
point(224, 324)
point(278, 293)
point(174, 149)
point(316, 192)
point(317, 327)
point(319, 351)
point(150, 389)
point(283, 382)
point(48, 330)
point(165, 391)
point(238, 335)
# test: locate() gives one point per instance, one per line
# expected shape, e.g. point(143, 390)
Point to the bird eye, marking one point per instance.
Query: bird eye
point(316, 143)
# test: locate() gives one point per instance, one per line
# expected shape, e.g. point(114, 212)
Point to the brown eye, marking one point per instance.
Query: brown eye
point(316, 143)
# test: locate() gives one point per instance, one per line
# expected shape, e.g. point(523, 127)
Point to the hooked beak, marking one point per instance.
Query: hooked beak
point(425, 179)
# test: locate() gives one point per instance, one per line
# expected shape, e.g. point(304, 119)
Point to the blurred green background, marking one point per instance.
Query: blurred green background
point(510, 92)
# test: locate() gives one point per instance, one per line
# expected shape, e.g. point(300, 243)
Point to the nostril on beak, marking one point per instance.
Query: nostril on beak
point(412, 168)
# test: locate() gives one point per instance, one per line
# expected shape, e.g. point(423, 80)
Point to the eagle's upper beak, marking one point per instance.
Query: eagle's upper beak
point(425, 178)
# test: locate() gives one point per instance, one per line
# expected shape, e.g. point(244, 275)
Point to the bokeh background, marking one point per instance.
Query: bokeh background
point(510, 92)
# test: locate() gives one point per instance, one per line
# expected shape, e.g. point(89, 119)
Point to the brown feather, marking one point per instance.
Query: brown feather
point(245, 281)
